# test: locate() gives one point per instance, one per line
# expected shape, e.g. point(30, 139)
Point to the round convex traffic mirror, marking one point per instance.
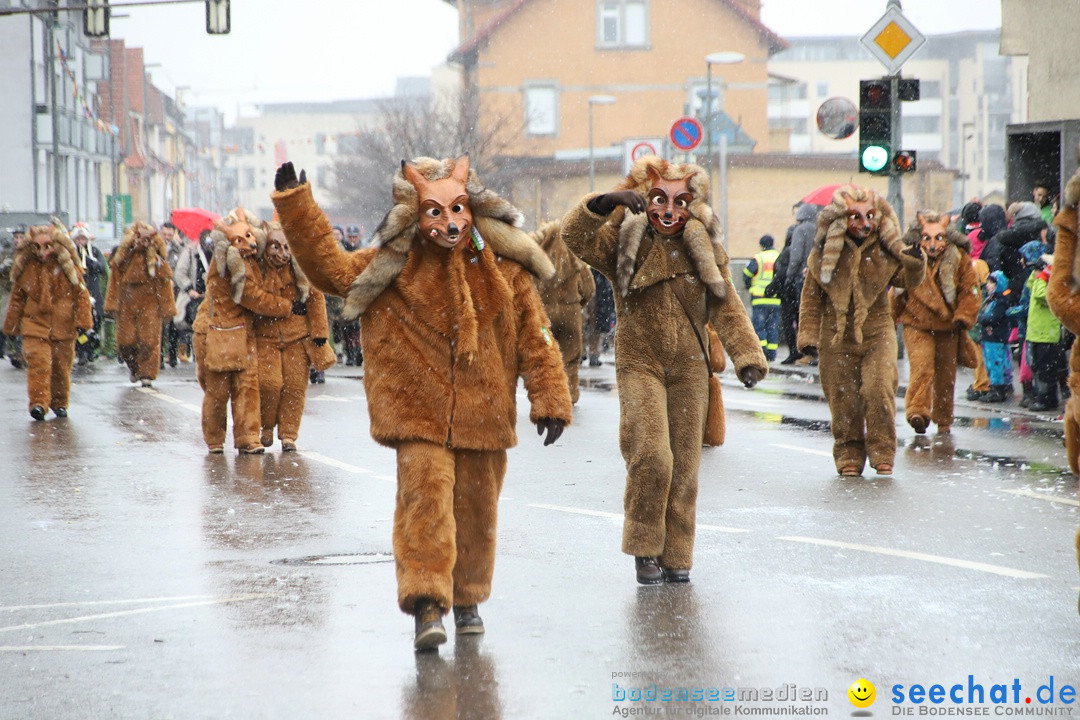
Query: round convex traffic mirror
point(837, 118)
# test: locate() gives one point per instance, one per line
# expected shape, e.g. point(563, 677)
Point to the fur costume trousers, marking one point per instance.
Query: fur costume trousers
point(220, 389)
point(932, 359)
point(566, 328)
point(444, 523)
point(860, 380)
point(48, 371)
point(283, 381)
point(138, 332)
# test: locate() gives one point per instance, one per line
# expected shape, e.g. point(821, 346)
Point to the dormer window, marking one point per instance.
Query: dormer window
point(622, 24)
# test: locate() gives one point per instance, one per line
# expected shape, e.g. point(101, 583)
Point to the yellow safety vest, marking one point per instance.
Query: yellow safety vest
point(765, 259)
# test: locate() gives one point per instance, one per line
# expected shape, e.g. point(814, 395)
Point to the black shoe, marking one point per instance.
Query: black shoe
point(60, 412)
point(994, 395)
point(320, 378)
point(918, 424)
point(430, 633)
point(648, 571)
point(975, 395)
point(790, 359)
point(37, 412)
point(1042, 406)
point(673, 575)
point(594, 361)
point(311, 375)
point(16, 362)
point(467, 620)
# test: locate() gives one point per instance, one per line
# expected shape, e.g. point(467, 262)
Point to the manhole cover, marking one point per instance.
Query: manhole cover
point(343, 559)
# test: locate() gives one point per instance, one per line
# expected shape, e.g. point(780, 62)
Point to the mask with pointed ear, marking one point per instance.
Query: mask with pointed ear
point(669, 203)
point(277, 251)
point(932, 234)
point(239, 235)
point(445, 216)
point(862, 218)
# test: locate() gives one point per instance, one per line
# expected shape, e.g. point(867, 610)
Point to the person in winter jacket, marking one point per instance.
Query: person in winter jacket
point(995, 325)
point(1027, 227)
point(564, 295)
point(450, 320)
point(656, 238)
point(936, 315)
point(992, 221)
point(802, 241)
point(140, 297)
point(49, 308)
point(95, 274)
point(286, 344)
point(1047, 355)
point(845, 319)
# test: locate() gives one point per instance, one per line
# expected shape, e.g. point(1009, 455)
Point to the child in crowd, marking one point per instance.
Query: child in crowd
point(995, 327)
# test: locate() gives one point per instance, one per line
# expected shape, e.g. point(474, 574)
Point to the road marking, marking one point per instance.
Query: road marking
point(803, 449)
point(59, 648)
point(140, 611)
point(1042, 496)
point(954, 562)
point(169, 399)
point(83, 603)
point(618, 516)
point(341, 465)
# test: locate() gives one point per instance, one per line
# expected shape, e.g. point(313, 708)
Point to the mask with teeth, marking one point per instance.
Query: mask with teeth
point(669, 204)
point(445, 217)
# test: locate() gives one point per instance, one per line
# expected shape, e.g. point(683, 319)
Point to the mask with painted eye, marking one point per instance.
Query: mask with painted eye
point(861, 217)
point(277, 249)
point(932, 234)
point(240, 236)
point(42, 245)
point(445, 217)
point(669, 203)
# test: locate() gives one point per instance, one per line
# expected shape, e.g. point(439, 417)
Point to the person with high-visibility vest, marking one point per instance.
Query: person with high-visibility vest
point(766, 306)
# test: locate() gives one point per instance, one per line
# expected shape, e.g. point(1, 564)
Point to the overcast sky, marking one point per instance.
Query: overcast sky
point(314, 50)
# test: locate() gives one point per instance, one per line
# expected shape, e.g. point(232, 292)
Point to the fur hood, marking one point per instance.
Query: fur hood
point(155, 251)
point(497, 222)
point(227, 259)
point(702, 235)
point(956, 244)
point(67, 256)
point(832, 227)
point(302, 282)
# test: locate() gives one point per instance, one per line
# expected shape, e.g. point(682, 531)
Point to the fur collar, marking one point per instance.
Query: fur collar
point(497, 221)
point(702, 235)
point(229, 264)
point(832, 228)
point(64, 250)
point(956, 245)
point(155, 251)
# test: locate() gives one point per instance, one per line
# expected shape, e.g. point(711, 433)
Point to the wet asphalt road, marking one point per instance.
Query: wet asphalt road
point(142, 578)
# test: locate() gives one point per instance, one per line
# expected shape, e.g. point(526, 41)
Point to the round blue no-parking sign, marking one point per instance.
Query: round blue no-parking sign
point(686, 133)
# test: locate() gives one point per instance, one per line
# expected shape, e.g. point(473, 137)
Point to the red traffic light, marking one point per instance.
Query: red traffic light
point(875, 95)
point(904, 161)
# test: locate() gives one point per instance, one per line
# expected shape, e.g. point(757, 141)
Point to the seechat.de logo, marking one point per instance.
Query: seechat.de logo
point(862, 693)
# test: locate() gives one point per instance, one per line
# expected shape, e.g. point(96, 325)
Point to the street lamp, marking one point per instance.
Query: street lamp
point(964, 137)
point(717, 58)
point(595, 100)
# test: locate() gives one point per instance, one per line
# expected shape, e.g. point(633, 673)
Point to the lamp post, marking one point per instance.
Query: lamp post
point(717, 58)
point(964, 137)
point(595, 100)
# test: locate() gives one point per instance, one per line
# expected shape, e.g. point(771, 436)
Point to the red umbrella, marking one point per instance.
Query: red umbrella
point(821, 196)
point(192, 221)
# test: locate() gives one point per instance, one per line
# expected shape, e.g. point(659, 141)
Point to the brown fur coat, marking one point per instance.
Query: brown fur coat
point(948, 294)
point(48, 300)
point(446, 333)
point(140, 280)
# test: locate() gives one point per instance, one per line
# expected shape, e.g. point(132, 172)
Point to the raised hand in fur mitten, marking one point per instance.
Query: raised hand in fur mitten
point(285, 177)
point(751, 376)
point(633, 201)
point(553, 426)
point(914, 251)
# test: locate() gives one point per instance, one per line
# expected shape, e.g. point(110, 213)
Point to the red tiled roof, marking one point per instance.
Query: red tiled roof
point(776, 43)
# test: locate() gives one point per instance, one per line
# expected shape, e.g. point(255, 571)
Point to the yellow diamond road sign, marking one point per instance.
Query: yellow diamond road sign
point(893, 39)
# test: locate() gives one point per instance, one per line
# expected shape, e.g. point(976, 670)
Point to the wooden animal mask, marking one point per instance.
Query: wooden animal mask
point(239, 235)
point(862, 219)
point(669, 203)
point(445, 217)
point(932, 233)
point(41, 242)
point(277, 251)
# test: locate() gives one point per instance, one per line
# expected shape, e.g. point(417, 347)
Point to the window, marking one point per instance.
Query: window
point(823, 89)
point(541, 110)
point(622, 23)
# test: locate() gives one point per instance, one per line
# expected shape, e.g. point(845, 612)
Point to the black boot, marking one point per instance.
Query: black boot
point(430, 633)
point(648, 571)
point(467, 620)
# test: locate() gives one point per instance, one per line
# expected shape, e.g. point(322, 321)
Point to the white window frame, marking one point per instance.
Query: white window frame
point(535, 126)
point(620, 9)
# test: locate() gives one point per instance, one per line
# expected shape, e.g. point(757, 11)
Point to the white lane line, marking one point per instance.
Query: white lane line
point(169, 399)
point(954, 562)
point(84, 603)
point(59, 648)
point(803, 449)
point(1042, 496)
point(618, 516)
point(140, 611)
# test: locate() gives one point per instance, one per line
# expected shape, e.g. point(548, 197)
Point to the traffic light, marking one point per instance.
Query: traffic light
point(875, 125)
point(904, 161)
point(96, 18)
point(217, 17)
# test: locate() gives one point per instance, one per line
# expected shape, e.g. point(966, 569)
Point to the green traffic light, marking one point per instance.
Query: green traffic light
point(874, 158)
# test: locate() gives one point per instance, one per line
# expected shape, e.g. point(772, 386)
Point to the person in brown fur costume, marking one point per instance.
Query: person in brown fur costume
point(936, 316)
point(285, 342)
point(656, 238)
point(49, 308)
point(844, 317)
point(564, 295)
point(451, 319)
point(1063, 296)
point(233, 295)
point(140, 297)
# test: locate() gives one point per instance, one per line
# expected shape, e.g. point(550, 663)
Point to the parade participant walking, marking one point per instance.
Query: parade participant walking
point(289, 345)
point(764, 303)
point(95, 274)
point(226, 357)
point(845, 318)
point(564, 295)
point(450, 321)
point(140, 297)
point(936, 315)
point(49, 308)
point(656, 238)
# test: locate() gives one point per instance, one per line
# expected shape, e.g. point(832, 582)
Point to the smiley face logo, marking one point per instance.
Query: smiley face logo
point(862, 693)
